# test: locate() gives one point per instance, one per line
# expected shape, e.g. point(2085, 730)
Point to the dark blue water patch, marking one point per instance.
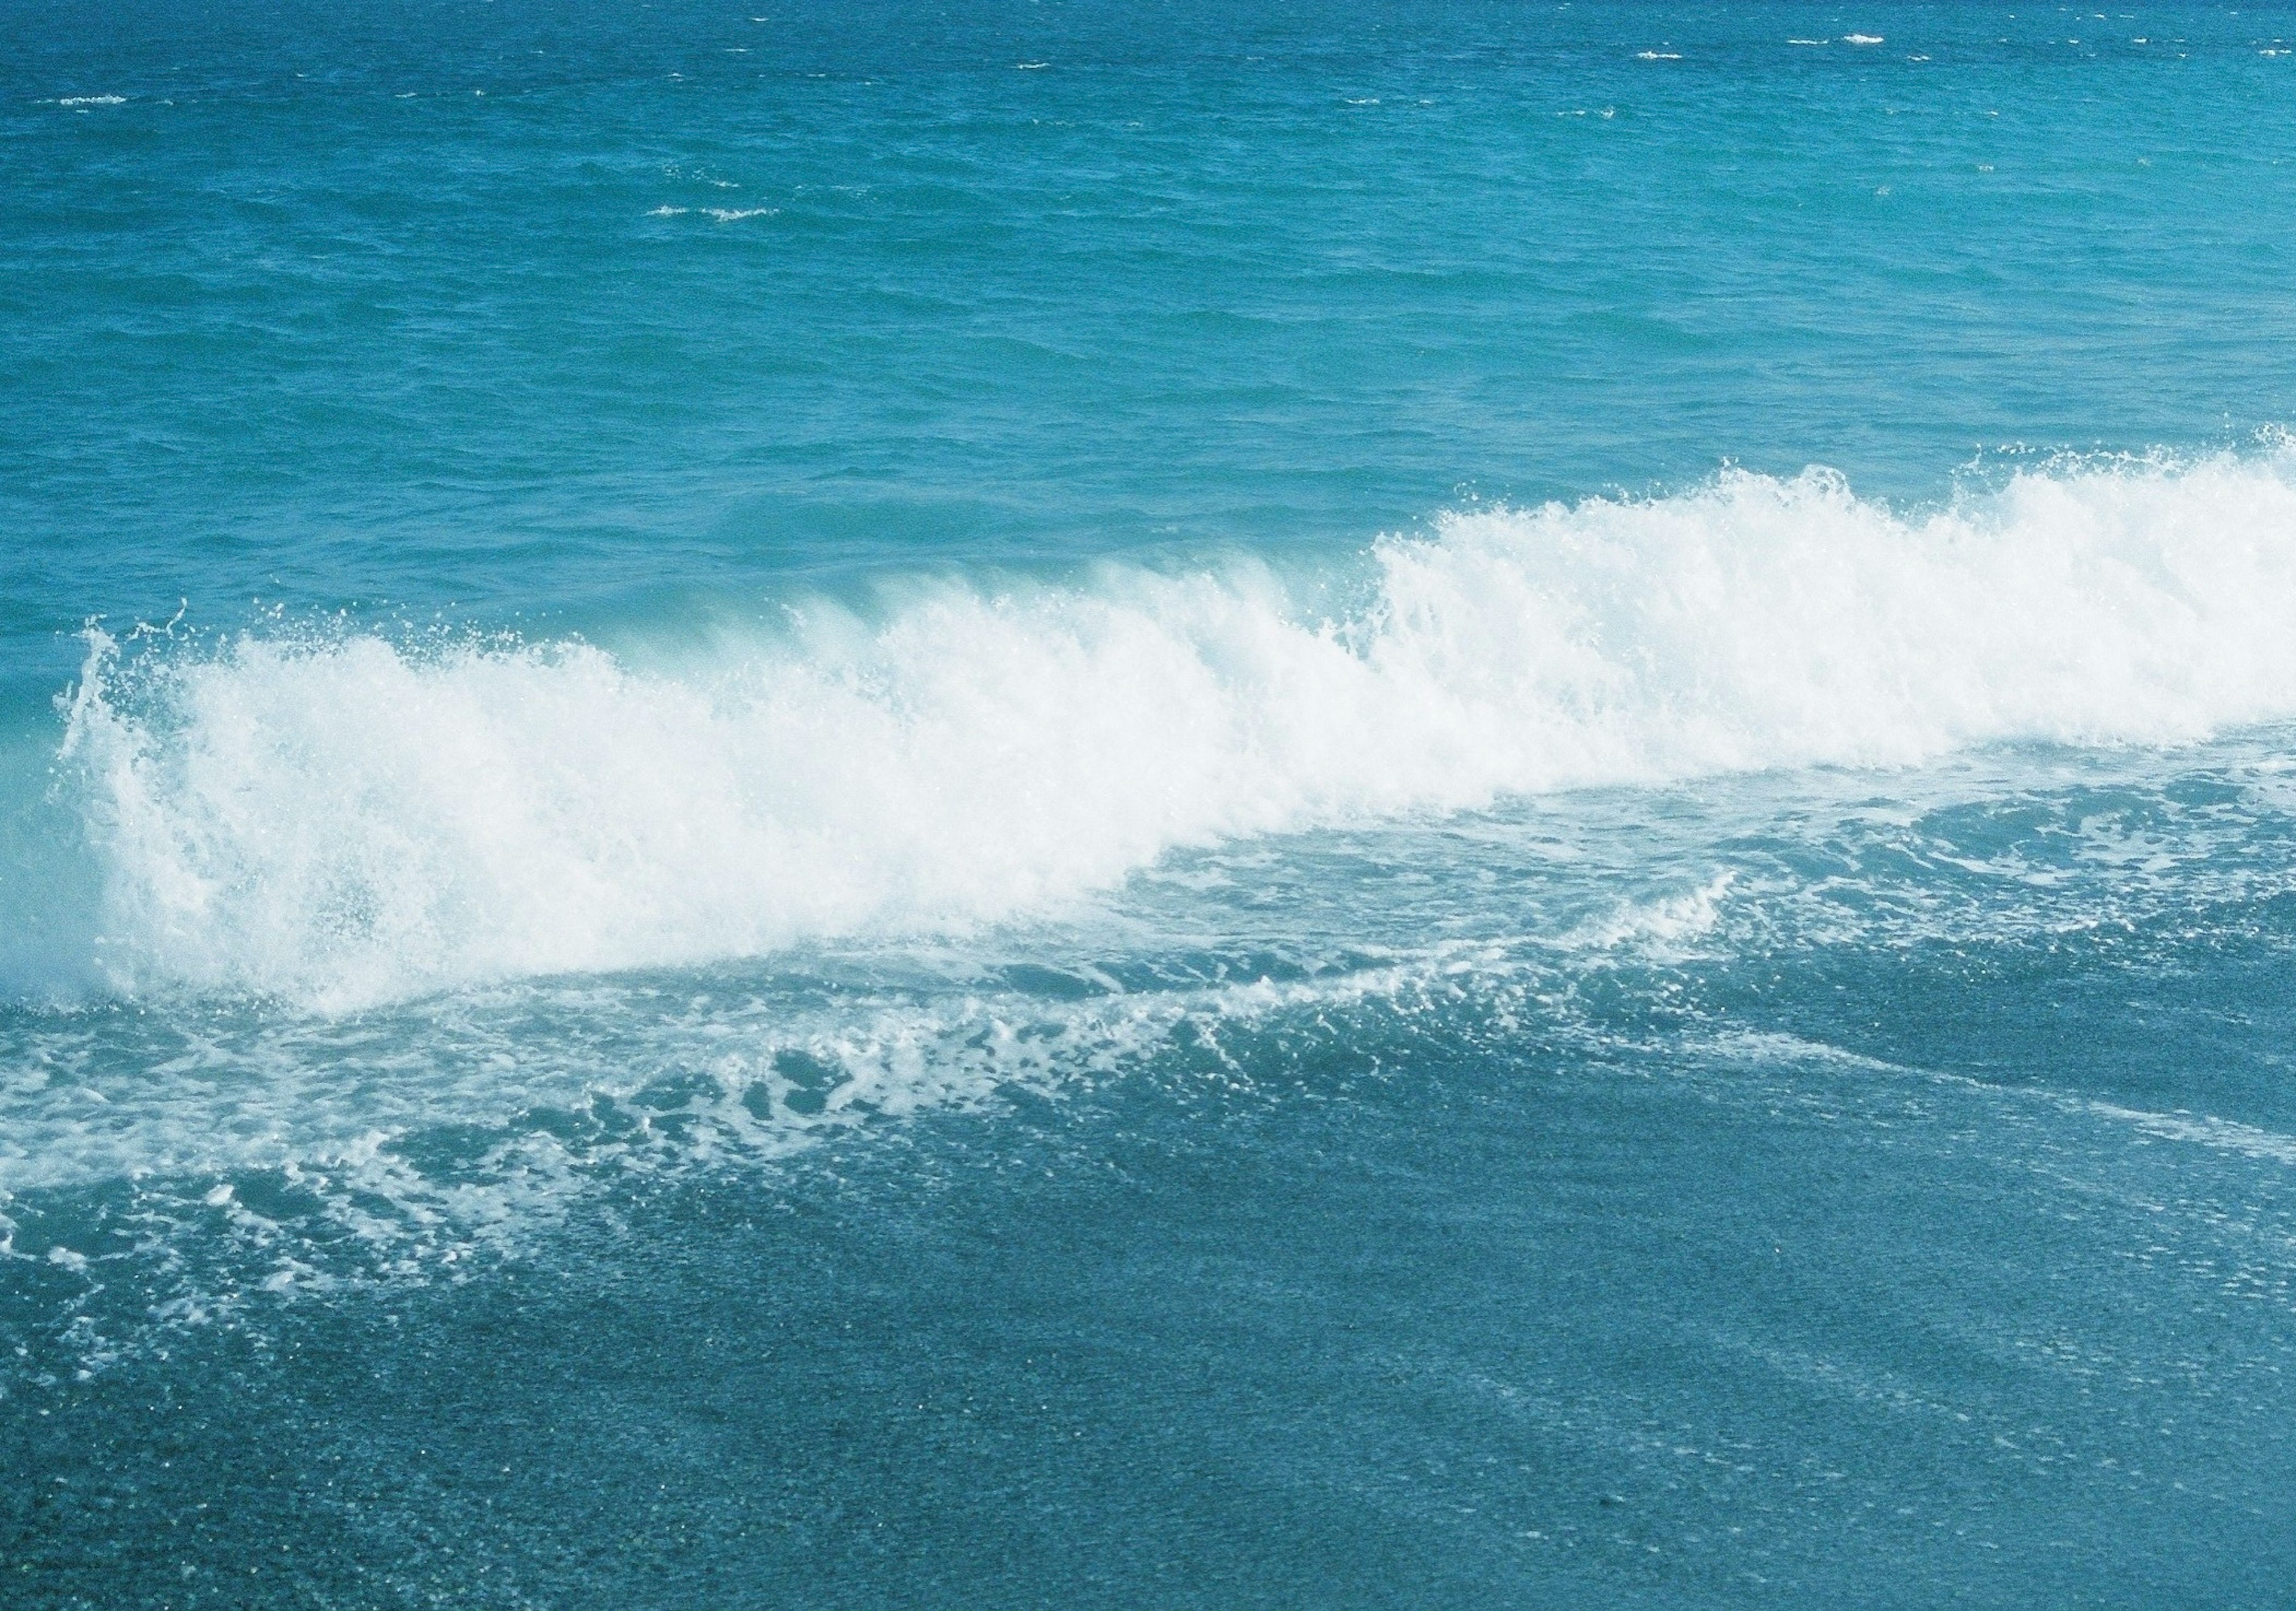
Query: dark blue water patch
point(1503, 1329)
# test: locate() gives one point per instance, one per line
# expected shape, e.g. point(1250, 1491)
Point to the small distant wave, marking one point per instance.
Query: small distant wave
point(722, 215)
point(351, 819)
point(92, 101)
point(1658, 55)
point(1861, 38)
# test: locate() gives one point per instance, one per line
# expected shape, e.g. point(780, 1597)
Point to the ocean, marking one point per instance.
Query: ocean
point(1290, 803)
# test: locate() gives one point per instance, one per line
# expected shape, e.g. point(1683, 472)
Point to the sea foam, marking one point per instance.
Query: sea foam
point(352, 819)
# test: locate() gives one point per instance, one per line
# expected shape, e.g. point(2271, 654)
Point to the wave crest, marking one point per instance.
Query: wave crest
point(349, 820)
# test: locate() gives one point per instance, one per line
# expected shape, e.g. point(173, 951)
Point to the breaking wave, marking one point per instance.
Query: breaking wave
point(349, 820)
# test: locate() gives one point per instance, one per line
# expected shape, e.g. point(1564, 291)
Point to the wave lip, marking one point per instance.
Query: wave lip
point(349, 820)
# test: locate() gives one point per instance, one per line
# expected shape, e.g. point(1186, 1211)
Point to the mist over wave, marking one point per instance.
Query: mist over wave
point(349, 820)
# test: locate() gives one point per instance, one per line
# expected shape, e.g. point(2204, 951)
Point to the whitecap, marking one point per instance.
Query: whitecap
point(354, 819)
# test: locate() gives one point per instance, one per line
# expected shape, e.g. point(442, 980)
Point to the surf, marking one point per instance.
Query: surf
point(346, 817)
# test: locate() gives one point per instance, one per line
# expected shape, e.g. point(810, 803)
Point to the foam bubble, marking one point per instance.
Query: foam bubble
point(349, 820)
point(1664, 926)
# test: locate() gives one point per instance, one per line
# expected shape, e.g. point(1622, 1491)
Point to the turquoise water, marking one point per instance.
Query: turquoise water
point(1319, 805)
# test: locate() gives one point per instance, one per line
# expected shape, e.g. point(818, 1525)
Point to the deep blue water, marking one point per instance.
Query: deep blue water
point(1075, 805)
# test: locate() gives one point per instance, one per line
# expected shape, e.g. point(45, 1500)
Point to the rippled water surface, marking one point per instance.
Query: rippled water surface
point(1422, 805)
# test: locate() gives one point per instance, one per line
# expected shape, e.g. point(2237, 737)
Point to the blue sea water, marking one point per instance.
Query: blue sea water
point(1432, 804)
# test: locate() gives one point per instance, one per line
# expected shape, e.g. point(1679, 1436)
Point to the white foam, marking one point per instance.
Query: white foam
point(349, 820)
point(2204, 1129)
point(1667, 926)
point(706, 1075)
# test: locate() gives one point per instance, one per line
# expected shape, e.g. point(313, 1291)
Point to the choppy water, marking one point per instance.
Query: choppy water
point(1448, 804)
